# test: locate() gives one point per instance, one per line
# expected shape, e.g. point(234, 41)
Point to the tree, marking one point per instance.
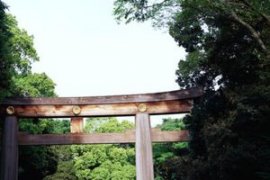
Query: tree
point(228, 55)
point(17, 52)
point(106, 125)
point(229, 59)
point(98, 161)
point(5, 62)
point(34, 85)
point(165, 153)
point(37, 161)
point(105, 161)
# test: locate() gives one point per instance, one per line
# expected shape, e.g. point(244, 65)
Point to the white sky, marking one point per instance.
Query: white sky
point(86, 53)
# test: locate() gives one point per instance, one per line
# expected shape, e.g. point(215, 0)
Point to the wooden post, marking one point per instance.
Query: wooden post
point(76, 125)
point(144, 157)
point(9, 164)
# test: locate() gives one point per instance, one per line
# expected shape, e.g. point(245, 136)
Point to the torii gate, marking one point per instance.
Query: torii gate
point(139, 105)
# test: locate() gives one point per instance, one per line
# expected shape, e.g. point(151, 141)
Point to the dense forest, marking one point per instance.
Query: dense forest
point(227, 44)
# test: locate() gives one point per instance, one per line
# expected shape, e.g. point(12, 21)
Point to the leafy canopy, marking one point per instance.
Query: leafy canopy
point(228, 54)
point(98, 162)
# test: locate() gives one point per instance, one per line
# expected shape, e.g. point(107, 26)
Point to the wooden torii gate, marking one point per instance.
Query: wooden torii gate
point(139, 105)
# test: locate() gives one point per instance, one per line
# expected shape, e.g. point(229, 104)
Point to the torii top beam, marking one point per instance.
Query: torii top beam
point(179, 101)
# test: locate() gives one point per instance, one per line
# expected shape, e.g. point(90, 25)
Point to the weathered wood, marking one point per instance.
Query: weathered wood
point(144, 156)
point(141, 105)
point(9, 164)
point(132, 98)
point(179, 106)
point(76, 125)
point(100, 138)
point(159, 136)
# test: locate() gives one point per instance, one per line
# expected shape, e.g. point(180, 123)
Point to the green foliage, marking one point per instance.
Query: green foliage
point(34, 85)
point(142, 10)
point(21, 46)
point(106, 125)
point(5, 63)
point(103, 162)
point(44, 126)
point(98, 161)
point(170, 124)
point(17, 52)
point(164, 153)
point(65, 170)
point(38, 161)
point(17, 55)
point(228, 123)
point(228, 55)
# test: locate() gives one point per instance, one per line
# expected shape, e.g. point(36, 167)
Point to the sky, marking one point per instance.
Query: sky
point(86, 53)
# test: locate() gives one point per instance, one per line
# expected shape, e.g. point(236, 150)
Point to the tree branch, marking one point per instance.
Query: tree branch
point(156, 4)
point(253, 32)
point(266, 17)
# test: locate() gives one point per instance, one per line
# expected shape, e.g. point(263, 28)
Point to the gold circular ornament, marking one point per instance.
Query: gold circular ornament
point(142, 107)
point(10, 110)
point(76, 110)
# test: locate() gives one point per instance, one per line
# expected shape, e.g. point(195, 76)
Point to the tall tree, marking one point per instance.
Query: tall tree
point(228, 55)
point(5, 64)
point(17, 53)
